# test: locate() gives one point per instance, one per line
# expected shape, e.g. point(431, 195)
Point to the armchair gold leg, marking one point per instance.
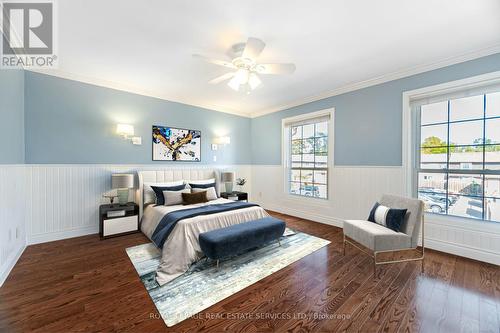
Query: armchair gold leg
point(344, 246)
point(374, 264)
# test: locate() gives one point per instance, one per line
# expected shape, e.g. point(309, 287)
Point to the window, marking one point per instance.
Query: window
point(458, 159)
point(306, 154)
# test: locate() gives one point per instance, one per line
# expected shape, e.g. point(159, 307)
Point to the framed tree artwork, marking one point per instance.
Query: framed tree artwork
point(176, 144)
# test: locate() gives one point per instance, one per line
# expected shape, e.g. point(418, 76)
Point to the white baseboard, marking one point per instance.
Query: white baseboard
point(10, 263)
point(463, 251)
point(58, 235)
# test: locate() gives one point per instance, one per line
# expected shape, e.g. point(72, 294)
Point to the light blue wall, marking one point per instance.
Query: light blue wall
point(367, 121)
point(11, 117)
point(74, 122)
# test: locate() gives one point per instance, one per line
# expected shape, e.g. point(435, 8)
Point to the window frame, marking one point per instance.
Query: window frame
point(481, 83)
point(286, 125)
point(450, 171)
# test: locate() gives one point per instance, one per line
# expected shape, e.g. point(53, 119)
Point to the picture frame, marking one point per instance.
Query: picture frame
point(174, 144)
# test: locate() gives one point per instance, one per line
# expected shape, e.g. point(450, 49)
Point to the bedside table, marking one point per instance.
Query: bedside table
point(238, 196)
point(117, 220)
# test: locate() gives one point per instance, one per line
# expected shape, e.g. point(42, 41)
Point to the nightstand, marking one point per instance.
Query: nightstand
point(235, 195)
point(117, 220)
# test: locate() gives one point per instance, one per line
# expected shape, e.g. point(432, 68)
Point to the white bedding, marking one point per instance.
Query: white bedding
point(182, 248)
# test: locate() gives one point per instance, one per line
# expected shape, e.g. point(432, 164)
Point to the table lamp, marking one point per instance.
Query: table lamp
point(228, 179)
point(122, 182)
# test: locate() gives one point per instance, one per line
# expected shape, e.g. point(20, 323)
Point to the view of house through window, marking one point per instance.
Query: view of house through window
point(309, 156)
point(459, 160)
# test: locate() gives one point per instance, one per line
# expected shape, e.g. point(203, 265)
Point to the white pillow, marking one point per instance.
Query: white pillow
point(381, 215)
point(174, 197)
point(211, 194)
point(201, 182)
point(149, 194)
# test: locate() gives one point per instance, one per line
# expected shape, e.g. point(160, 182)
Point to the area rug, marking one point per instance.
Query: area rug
point(205, 284)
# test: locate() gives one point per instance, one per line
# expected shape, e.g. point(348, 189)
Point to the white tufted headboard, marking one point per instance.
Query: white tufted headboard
point(170, 175)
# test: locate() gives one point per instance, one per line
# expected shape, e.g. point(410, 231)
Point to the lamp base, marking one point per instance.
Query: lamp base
point(122, 195)
point(229, 187)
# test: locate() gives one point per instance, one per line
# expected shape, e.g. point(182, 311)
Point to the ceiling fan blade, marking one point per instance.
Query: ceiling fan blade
point(215, 61)
point(276, 68)
point(221, 78)
point(253, 48)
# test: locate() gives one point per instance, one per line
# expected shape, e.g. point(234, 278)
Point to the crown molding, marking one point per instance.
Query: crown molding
point(382, 79)
point(131, 89)
point(258, 113)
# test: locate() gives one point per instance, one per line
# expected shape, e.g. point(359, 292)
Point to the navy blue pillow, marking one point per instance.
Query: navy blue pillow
point(371, 217)
point(160, 199)
point(394, 218)
point(202, 185)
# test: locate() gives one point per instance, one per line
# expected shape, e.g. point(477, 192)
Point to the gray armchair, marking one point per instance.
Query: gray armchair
point(373, 238)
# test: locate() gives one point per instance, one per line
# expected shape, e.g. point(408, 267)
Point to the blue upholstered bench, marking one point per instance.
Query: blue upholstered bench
point(221, 243)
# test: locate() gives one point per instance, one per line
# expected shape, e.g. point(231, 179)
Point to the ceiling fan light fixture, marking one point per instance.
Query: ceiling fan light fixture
point(242, 75)
point(240, 78)
point(234, 83)
point(254, 81)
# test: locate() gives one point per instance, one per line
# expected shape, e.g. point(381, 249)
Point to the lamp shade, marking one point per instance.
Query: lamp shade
point(125, 129)
point(227, 177)
point(222, 140)
point(122, 180)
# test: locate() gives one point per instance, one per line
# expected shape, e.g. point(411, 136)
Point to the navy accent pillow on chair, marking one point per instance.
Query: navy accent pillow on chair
point(202, 185)
point(371, 217)
point(160, 199)
point(388, 217)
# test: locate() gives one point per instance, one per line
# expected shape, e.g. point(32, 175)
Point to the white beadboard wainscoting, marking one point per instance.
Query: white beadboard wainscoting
point(62, 201)
point(12, 217)
point(41, 203)
point(356, 189)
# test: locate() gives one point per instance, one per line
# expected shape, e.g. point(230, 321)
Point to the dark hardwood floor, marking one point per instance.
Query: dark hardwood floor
point(88, 285)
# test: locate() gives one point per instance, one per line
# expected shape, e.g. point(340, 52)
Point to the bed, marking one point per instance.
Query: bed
point(181, 248)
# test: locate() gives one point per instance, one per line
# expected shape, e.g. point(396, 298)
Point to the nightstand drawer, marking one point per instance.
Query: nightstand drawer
point(120, 225)
point(235, 195)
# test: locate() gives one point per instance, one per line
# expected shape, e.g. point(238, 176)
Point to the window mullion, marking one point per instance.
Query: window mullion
point(484, 153)
point(301, 156)
point(314, 155)
point(447, 183)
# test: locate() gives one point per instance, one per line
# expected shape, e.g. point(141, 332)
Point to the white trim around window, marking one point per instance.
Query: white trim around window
point(409, 123)
point(285, 156)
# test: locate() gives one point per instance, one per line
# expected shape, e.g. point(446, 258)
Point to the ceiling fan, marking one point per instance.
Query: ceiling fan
point(244, 61)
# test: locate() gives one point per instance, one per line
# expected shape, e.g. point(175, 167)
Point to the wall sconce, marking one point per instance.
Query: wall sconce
point(221, 140)
point(127, 132)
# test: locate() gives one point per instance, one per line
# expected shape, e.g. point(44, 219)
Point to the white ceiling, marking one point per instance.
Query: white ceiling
point(146, 46)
